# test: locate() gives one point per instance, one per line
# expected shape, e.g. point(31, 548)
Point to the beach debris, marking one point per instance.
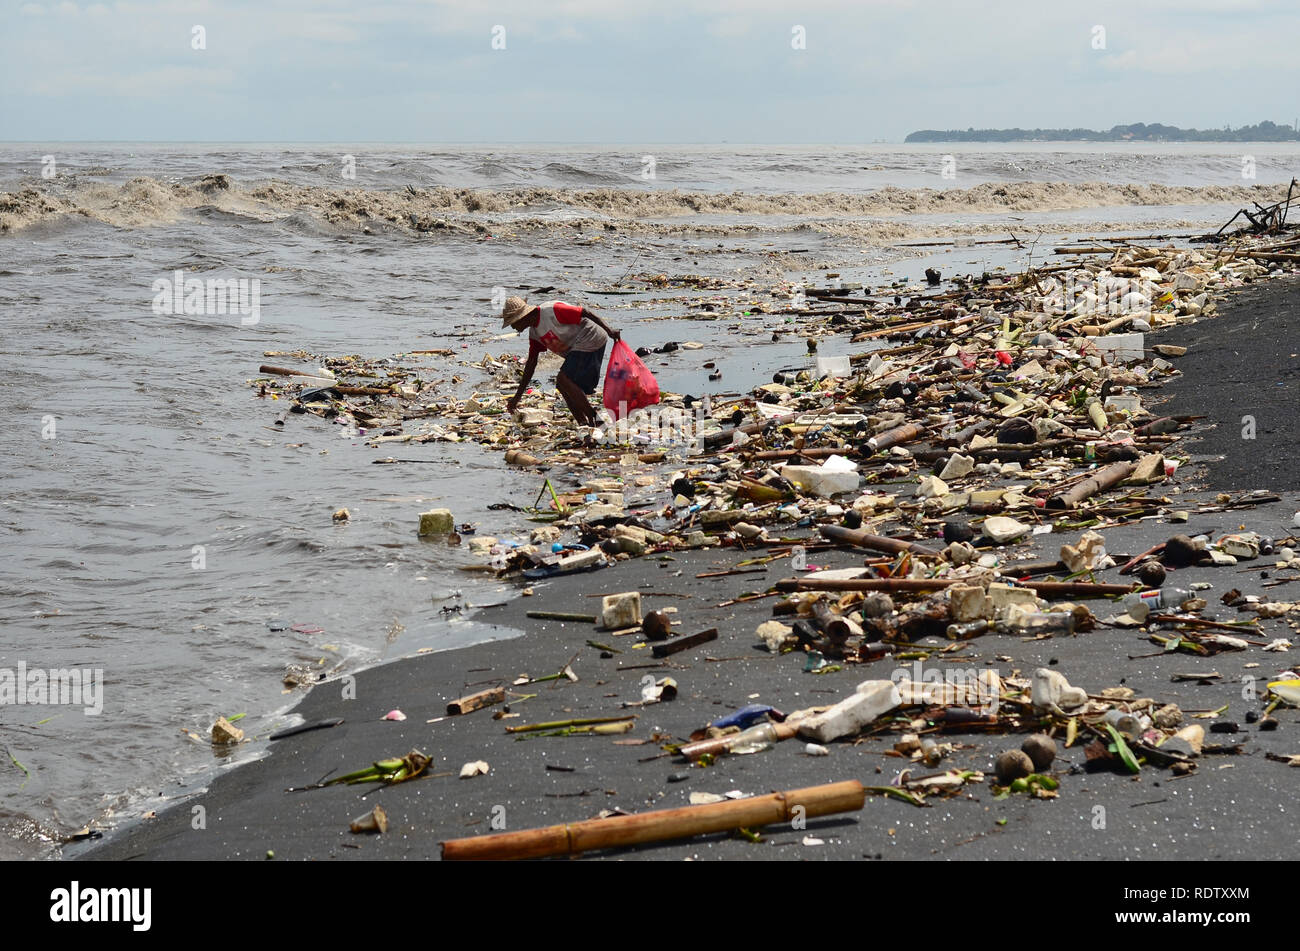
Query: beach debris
point(660, 825)
point(1041, 750)
point(684, 643)
point(623, 723)
point(1001, 530)
point(437, 522)
point(224, 732)
point(1052, 692)
point(1013, 764)
point(476, 701)
point(374, 822)
point(871, 699)
point(974, 421)
point(475, 768)
point(395, 715)
point(386, 771)
point(657, 626)
point(576, 616)
point(305, 728)
point(618, 611)
point(1286, 691)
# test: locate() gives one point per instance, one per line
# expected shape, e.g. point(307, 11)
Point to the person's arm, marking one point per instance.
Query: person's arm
point(595, 319)
point(530, 365)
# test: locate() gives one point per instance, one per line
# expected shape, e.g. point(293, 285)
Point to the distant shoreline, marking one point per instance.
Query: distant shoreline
point(1265, 131)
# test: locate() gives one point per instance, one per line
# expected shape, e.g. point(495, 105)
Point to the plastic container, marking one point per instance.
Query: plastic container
point(830, 478)
point(618, 611)
point(833, 366)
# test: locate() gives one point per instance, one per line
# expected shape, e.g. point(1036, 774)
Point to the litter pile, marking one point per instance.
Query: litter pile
point(983, 417)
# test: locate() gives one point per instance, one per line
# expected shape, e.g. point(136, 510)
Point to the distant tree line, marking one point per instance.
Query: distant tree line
point(1137, 132)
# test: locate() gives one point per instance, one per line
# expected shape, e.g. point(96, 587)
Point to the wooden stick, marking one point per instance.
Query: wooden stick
point(861, 539)
point(731, 571)
point(1133, 562)
point(685, 643)
point(561, 616)
point(284, 371)
point(476, 701)
point(661, 825)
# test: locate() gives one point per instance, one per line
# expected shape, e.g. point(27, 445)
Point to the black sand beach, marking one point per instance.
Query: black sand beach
point(1234, 806)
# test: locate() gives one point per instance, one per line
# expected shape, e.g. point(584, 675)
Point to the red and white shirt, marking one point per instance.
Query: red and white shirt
point(560, 328)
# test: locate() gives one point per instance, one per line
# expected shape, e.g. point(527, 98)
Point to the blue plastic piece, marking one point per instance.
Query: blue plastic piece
point(744, 717)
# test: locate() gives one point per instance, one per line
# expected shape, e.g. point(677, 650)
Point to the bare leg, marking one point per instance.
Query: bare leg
point(576, 400)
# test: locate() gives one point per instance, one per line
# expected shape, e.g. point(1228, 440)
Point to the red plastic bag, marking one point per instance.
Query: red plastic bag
point(629, 384)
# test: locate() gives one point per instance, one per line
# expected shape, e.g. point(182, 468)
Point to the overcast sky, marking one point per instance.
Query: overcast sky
point(648, 71)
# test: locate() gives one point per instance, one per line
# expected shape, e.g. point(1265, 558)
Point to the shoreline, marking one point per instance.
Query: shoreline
point(247, 811)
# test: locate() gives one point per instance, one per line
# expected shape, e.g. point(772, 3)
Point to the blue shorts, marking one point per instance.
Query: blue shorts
point(583, 368)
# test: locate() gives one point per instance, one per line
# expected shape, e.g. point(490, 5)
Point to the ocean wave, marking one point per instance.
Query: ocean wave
point(143, 202)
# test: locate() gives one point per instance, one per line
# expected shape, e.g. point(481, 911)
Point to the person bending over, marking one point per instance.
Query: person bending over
point(573, 332)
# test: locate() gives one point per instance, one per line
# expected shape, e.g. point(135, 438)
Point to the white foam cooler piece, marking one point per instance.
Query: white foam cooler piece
point(618, 611)
point(871, 699)
point(1119, 348)
point(833, 367)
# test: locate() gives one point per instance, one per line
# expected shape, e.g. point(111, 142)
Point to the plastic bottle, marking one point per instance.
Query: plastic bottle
point(1127, 723)
point(1155, 600)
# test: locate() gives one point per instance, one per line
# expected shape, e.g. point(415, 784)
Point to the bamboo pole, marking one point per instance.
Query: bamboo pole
point(861, 539)
point(1101, 480)
point(557, 724)
point(1048, 589)
point(896, 436)
point(660, 825)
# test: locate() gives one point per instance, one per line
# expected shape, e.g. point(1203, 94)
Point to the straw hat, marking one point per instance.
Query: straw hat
point(515, 310)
